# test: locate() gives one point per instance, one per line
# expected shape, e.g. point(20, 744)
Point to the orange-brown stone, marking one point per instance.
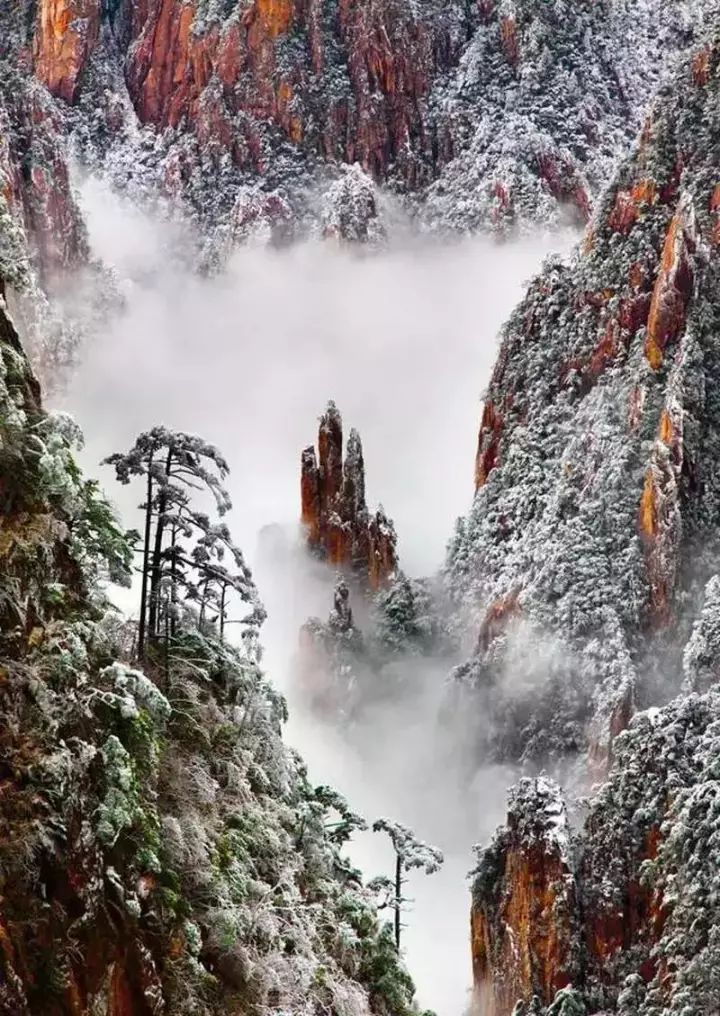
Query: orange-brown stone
point(562, 181)
point(510, 42)
point(488, 453)
point(648, 506)
point(334, 514)
point(497, 617)
point(612, 928)
point(67, 32)
point(701, 67)
point(659, 517)
point(673, 291)
point(121, 1002)
point(276, 15)
point(606, 350)
point(629, 205)
point(391, 63)
point(523, 930)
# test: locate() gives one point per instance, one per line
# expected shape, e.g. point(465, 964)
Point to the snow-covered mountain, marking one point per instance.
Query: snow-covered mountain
point(163, 850)
point(592, 554)
point(276, 120)
point(250, 114)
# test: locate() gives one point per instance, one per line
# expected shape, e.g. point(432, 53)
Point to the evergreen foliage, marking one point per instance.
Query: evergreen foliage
point(156, 824)
point(410, 853)
point(352, 671)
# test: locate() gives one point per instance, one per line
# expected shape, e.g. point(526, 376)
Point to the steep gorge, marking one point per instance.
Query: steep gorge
point(591, 539)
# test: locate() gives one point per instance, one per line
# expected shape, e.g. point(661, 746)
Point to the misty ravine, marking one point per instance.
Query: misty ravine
point(359, 508)
point(403, 340)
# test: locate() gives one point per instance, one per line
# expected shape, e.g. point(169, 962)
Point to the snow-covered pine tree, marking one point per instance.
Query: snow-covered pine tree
point(173, 465)
point(410, 854)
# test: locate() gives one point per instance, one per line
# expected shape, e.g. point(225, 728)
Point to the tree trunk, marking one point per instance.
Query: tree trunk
point(222, 613)
point(173, 583)
point(398, 892)
point(155, 571)
point(203, 601)
point(167, 653)
point(146, 563)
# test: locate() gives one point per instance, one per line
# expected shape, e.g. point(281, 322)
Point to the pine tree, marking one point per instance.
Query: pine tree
point(174, 465)
point(402, 620)
point(410, 853)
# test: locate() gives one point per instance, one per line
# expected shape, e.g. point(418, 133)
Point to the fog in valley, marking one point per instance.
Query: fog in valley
point(404, 341)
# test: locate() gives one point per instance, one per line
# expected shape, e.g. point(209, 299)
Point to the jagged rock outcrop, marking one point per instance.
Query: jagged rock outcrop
point(332, 654)
point(637, 915)
point(43, 239)
point(592, 532)
point(35, 180)
point(524, 924)
point(388, 58)
point(593, 547)
point(338, 526)
point(67, 33)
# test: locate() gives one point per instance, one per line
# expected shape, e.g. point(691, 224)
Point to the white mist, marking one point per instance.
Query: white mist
point(404, 342)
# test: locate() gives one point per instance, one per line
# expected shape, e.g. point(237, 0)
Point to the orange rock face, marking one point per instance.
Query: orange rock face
point(561, 179)
point(67, 32)
point(524, 920)
point(659, 514)
point(612, 929)
point(533, 960)
point(673, 289)
point(334, 513)
point(509, 35)
point(701, 67)
point(488, 453)
point(168, 69)
point(629, 205)
point(497, 618)
point(277, 15)
point(623, 914)
point(543, 918)
point(391, 62)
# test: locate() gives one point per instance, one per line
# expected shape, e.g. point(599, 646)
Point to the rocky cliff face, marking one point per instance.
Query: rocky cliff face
point(593, 539)
point(250, 109)
point(281, 88)
point(277, 120)
point(338, 526)
point(43, 241)
point(36, 180)
point(592, 531)
point(350, 84)
point(624, 920)
point(524, 916)
point(67, 32)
